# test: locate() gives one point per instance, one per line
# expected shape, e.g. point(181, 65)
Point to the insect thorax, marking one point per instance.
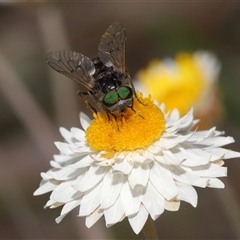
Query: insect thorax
point(111, 88)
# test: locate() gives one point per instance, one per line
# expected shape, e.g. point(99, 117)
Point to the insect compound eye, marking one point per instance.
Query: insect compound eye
point(125, 92)
point(111, 98)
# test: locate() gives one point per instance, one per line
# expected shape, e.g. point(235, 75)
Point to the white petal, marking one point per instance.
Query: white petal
point(55, 164)
point(146, 157)
point(84, 120)
point(46, 176)
point(112, 185)
point(70, 206)
point(100, 160)
point(91, 200)
point(114, 214)
point(218, 141)
point(81, 144)
point(187, 193)
point(61, 158)
point(93, 217)
point(55, 205)
point(60, 218)
point(84, 162)
point(162, 180)
point(131, 199)
point(80, 151)
point(168, 143)
point(226, 153)
point(194, 157)
point(182, 124)
point(186, 175)
point(198, 136)
point(154, 149)
point(175, 115)
point(172, 205)
point(49, 203)
point(123, 166)
point(162, 107)
point(171, 129)
point(64, 148)
point(139, 175)
point(66, 134)
point(106, 162)
point(153, 201)
point(211, 170)
point(215, 183)
point(46, 187)
point(167, 157)
point(231, 154)
point(93, 176)
point(79, 134)
point(138, 220)
point(186, 121)
point(65, 173)
point(67, 208)
point(65, 192)
point(120, 155)
point(132, 156)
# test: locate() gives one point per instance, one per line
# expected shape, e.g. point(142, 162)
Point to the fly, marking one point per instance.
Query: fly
point(105, 77)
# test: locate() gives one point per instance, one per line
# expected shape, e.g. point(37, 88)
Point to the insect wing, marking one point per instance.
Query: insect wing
point(111, 49)
point(73, 65)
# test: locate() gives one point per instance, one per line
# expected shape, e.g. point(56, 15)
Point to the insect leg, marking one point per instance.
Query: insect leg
point(134, 92)
point(109, 113)
point(133, 89)
point(131, 107)
point(83, 95)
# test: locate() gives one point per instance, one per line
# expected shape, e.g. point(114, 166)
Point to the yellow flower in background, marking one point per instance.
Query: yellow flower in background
point(189, 80)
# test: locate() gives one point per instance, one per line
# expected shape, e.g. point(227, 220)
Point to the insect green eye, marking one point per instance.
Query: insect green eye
point(124, 92)
point(111, 98)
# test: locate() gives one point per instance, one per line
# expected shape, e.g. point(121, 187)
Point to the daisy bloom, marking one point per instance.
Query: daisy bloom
point(134, 166)
point(188, 80)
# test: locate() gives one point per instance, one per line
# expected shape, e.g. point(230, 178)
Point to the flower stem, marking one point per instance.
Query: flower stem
point(149, 230)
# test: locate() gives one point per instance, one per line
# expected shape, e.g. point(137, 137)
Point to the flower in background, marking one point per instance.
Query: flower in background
point(133, 166)
point(189, 80)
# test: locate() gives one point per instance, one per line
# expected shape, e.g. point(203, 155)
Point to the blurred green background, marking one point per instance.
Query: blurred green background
point(35, 101)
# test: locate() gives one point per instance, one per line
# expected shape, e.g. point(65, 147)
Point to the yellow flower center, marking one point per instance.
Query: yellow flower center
point(131, 131)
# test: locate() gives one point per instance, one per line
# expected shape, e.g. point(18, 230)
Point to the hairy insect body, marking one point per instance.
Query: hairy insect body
point(105, 77)
point(109, 89)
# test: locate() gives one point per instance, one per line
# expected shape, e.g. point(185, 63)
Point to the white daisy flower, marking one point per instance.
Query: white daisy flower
point(134, 166)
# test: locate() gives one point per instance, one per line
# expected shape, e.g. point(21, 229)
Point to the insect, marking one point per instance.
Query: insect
point(105, 77)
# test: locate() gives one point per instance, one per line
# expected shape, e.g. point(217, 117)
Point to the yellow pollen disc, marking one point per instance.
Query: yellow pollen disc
point(133, 130)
